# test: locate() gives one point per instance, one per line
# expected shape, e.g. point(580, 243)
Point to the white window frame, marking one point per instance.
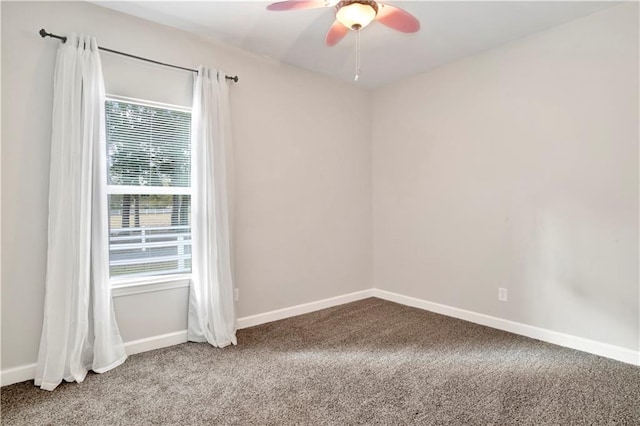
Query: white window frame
point(135, 285)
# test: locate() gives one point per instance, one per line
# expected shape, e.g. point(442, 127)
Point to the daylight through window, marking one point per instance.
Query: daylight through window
point(148, 189)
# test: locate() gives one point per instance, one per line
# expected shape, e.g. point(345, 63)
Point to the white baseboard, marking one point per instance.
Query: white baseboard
point(155, 342)
point(628, 356)
point(305, 308)
point(27, 372)
point(17, 374)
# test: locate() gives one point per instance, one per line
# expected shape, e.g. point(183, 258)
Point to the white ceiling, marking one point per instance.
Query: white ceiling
point(450, 30)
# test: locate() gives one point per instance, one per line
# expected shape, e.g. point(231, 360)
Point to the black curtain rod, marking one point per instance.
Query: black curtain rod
point(44, 33)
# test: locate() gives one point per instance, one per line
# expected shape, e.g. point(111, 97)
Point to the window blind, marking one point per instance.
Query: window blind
point(149, 189)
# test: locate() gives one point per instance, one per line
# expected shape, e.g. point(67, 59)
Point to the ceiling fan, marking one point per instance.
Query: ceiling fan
point(354, 15)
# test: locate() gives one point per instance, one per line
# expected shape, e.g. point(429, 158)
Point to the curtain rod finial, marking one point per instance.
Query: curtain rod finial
point(43, 33)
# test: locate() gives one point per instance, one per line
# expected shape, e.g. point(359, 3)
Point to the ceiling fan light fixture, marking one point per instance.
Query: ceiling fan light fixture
point(356, 14)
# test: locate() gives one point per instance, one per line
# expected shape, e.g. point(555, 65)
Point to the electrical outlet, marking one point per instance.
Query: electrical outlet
point(502, 294)
point(236, 294)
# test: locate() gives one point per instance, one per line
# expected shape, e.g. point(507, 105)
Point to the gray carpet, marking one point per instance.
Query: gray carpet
point(368, 362)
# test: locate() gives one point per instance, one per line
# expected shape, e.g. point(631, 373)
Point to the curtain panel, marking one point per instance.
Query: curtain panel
point(211, 303)
point(79, 331)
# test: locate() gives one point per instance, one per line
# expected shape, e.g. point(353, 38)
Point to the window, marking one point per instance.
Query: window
point(148, 188)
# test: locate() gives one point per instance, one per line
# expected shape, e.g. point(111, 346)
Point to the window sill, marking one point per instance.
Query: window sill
point(126, 287)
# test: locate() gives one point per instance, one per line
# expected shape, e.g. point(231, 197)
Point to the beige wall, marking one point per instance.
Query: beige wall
point(518, 168)
point(303, 169)
point(514, 168)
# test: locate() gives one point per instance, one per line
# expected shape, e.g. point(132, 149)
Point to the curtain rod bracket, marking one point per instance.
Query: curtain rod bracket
point(43, 33)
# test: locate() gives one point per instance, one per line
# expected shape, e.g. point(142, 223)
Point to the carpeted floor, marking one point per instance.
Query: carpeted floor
point(368, 362)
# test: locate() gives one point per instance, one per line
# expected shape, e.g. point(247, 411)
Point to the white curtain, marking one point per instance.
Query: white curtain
point(211, 301)
point(79, 330)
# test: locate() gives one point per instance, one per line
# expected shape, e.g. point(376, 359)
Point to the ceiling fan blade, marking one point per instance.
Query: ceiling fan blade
point(398, 19)
point(296, 5)
point(335, 33)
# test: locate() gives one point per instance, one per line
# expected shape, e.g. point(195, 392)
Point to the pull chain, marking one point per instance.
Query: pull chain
point(357, 76)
